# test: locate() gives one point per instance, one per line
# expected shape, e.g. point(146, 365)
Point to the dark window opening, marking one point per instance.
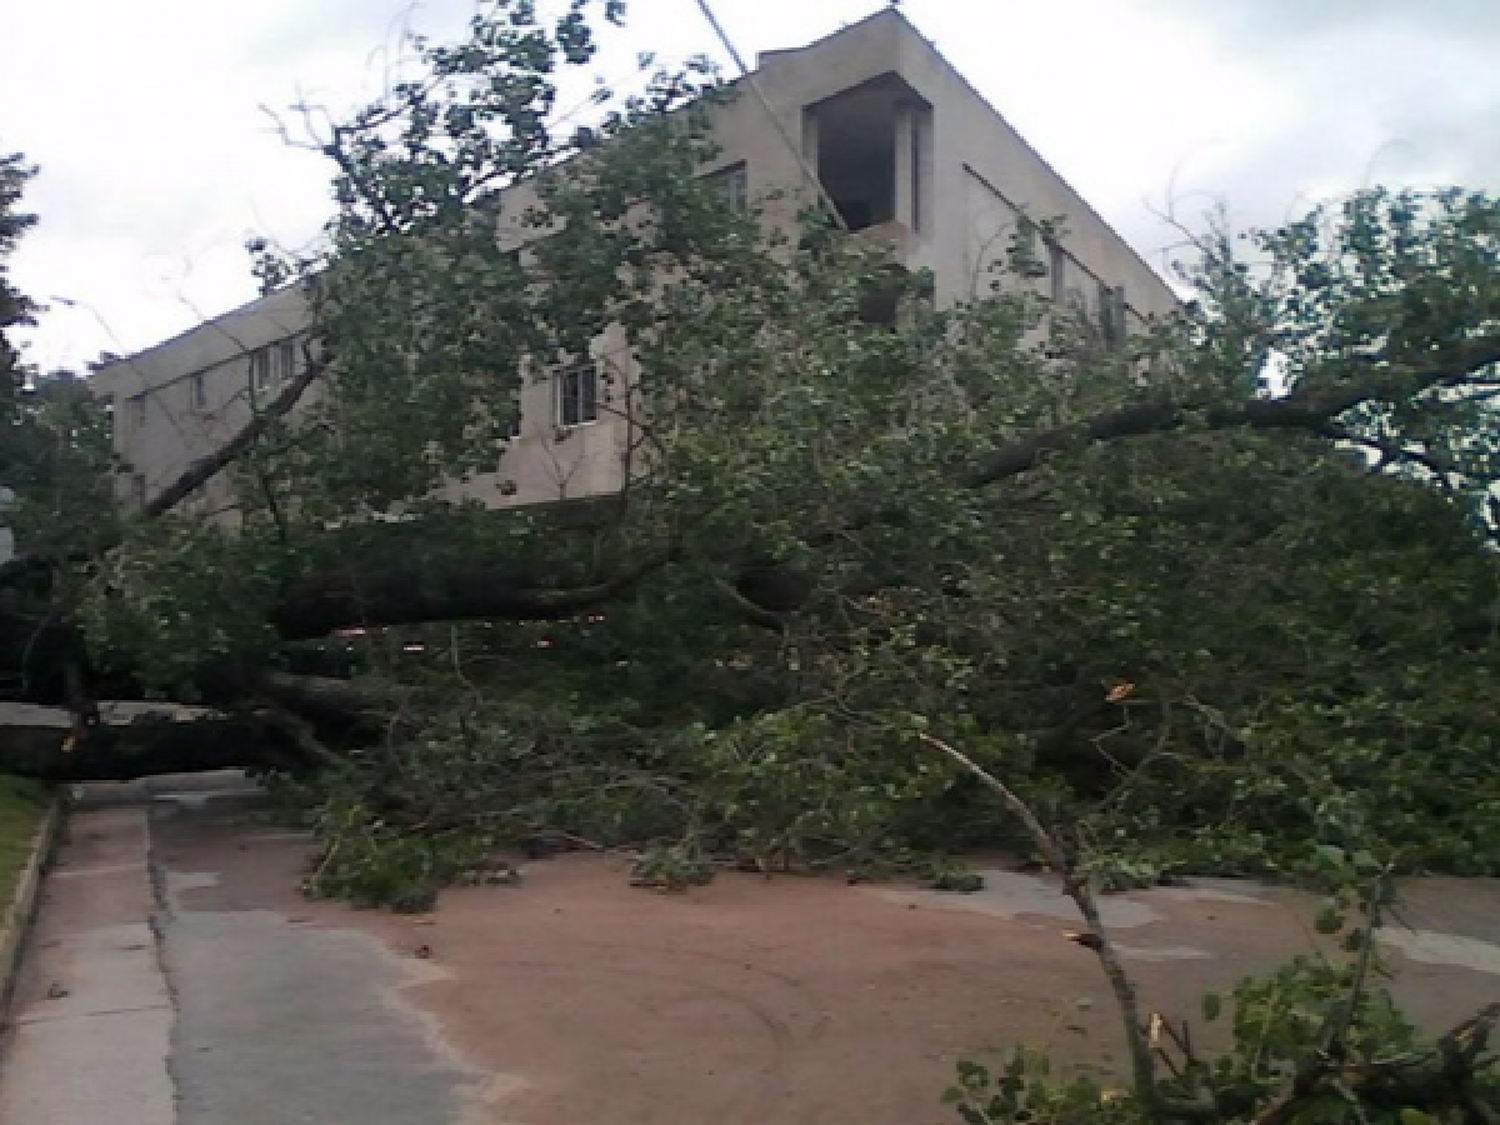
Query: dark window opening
point(576, 388)
point(1112, 315)
point(857, 157)
point(286, 357)
point(1057, 266)
point(1025, 256)
point(880, 297)
point(869, 154)
point(260, 369)
point(734, 182)
point(135, 414)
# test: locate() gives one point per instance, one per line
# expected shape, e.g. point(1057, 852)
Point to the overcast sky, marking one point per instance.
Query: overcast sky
point(158, 162)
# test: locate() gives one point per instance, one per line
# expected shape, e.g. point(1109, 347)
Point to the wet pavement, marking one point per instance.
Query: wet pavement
point(138, 1007)
point(177, 976)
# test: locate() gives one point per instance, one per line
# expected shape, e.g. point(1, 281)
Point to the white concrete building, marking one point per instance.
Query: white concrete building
point(902, 144)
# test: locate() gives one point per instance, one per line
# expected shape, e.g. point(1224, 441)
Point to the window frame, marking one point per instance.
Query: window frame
point(262, 377)
point(284, 370)
point(1112, 315)
point(584, 397)
point(135, 413)
point(733, 182)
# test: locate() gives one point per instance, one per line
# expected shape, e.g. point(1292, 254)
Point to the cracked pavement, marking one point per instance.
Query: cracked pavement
point(138, 1006)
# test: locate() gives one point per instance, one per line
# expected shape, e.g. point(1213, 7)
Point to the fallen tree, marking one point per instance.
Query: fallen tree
point(47, 743)
point(1231, 575)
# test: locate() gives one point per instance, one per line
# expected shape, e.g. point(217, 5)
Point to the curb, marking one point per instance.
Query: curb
point(15, 923)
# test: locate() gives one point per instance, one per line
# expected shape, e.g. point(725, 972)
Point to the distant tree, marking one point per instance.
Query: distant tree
point(16, 310)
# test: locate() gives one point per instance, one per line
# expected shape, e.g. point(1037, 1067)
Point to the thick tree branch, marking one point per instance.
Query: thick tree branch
point(326, 694)
point(203, 470)
point(1142, 1064)
point(42, 743)
point(410, 593)
point(1310, 412)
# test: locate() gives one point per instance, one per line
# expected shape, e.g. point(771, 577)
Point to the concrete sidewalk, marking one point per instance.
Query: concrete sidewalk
point(142, 1003)
point(93, 1015)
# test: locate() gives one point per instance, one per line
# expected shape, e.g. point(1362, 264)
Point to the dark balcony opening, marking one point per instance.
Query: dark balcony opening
point(857, 159)
point(868, 140)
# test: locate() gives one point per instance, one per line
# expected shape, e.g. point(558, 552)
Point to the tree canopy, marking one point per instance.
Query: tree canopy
point(1209, 597)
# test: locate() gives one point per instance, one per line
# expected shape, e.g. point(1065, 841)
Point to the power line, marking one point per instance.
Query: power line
point(748, 75)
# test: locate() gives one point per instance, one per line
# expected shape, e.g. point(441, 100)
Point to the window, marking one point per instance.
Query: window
point(286, 361)
point(575, 388)
point(734, 182)
point(198, 391)
point(1057, 269)
point(135, 413)
point(880, 298)
point(260, 369)
point(857, 140)
point(1112, 315)
point(1024, 257)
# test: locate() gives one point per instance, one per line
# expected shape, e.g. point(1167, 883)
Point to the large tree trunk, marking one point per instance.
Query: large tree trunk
point(46, 743)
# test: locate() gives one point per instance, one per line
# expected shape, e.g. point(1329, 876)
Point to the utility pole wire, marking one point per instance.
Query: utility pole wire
point(754, 83)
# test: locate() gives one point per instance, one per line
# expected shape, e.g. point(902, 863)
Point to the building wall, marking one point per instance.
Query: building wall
point(969, 145)
point(961, 179)
point(181, 400)
point(547, 463)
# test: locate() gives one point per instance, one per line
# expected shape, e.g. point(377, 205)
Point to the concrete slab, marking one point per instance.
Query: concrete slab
point(93, 1014)
point(90, 1069)
point(280, 1024)
point(99, 972)
point(141, 1008)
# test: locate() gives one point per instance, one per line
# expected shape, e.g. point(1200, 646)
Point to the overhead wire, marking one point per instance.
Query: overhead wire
point(750, 79)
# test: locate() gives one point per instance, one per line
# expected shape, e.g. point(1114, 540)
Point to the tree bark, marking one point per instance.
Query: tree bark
point(44, 743)
point(1311, 411)
point(411, 593)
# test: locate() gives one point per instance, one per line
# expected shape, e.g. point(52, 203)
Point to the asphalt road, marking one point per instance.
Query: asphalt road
point(148, 999)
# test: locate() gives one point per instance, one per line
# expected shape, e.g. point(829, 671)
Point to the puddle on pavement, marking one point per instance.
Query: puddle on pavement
point(182, 882)
point(225, 959)
point(1013, 894)
point(1429, 947)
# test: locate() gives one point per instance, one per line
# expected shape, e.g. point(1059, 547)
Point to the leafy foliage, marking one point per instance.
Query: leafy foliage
point(1311, 1043)
point(54, 437)
point(16, 309)
point(1211, 599)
